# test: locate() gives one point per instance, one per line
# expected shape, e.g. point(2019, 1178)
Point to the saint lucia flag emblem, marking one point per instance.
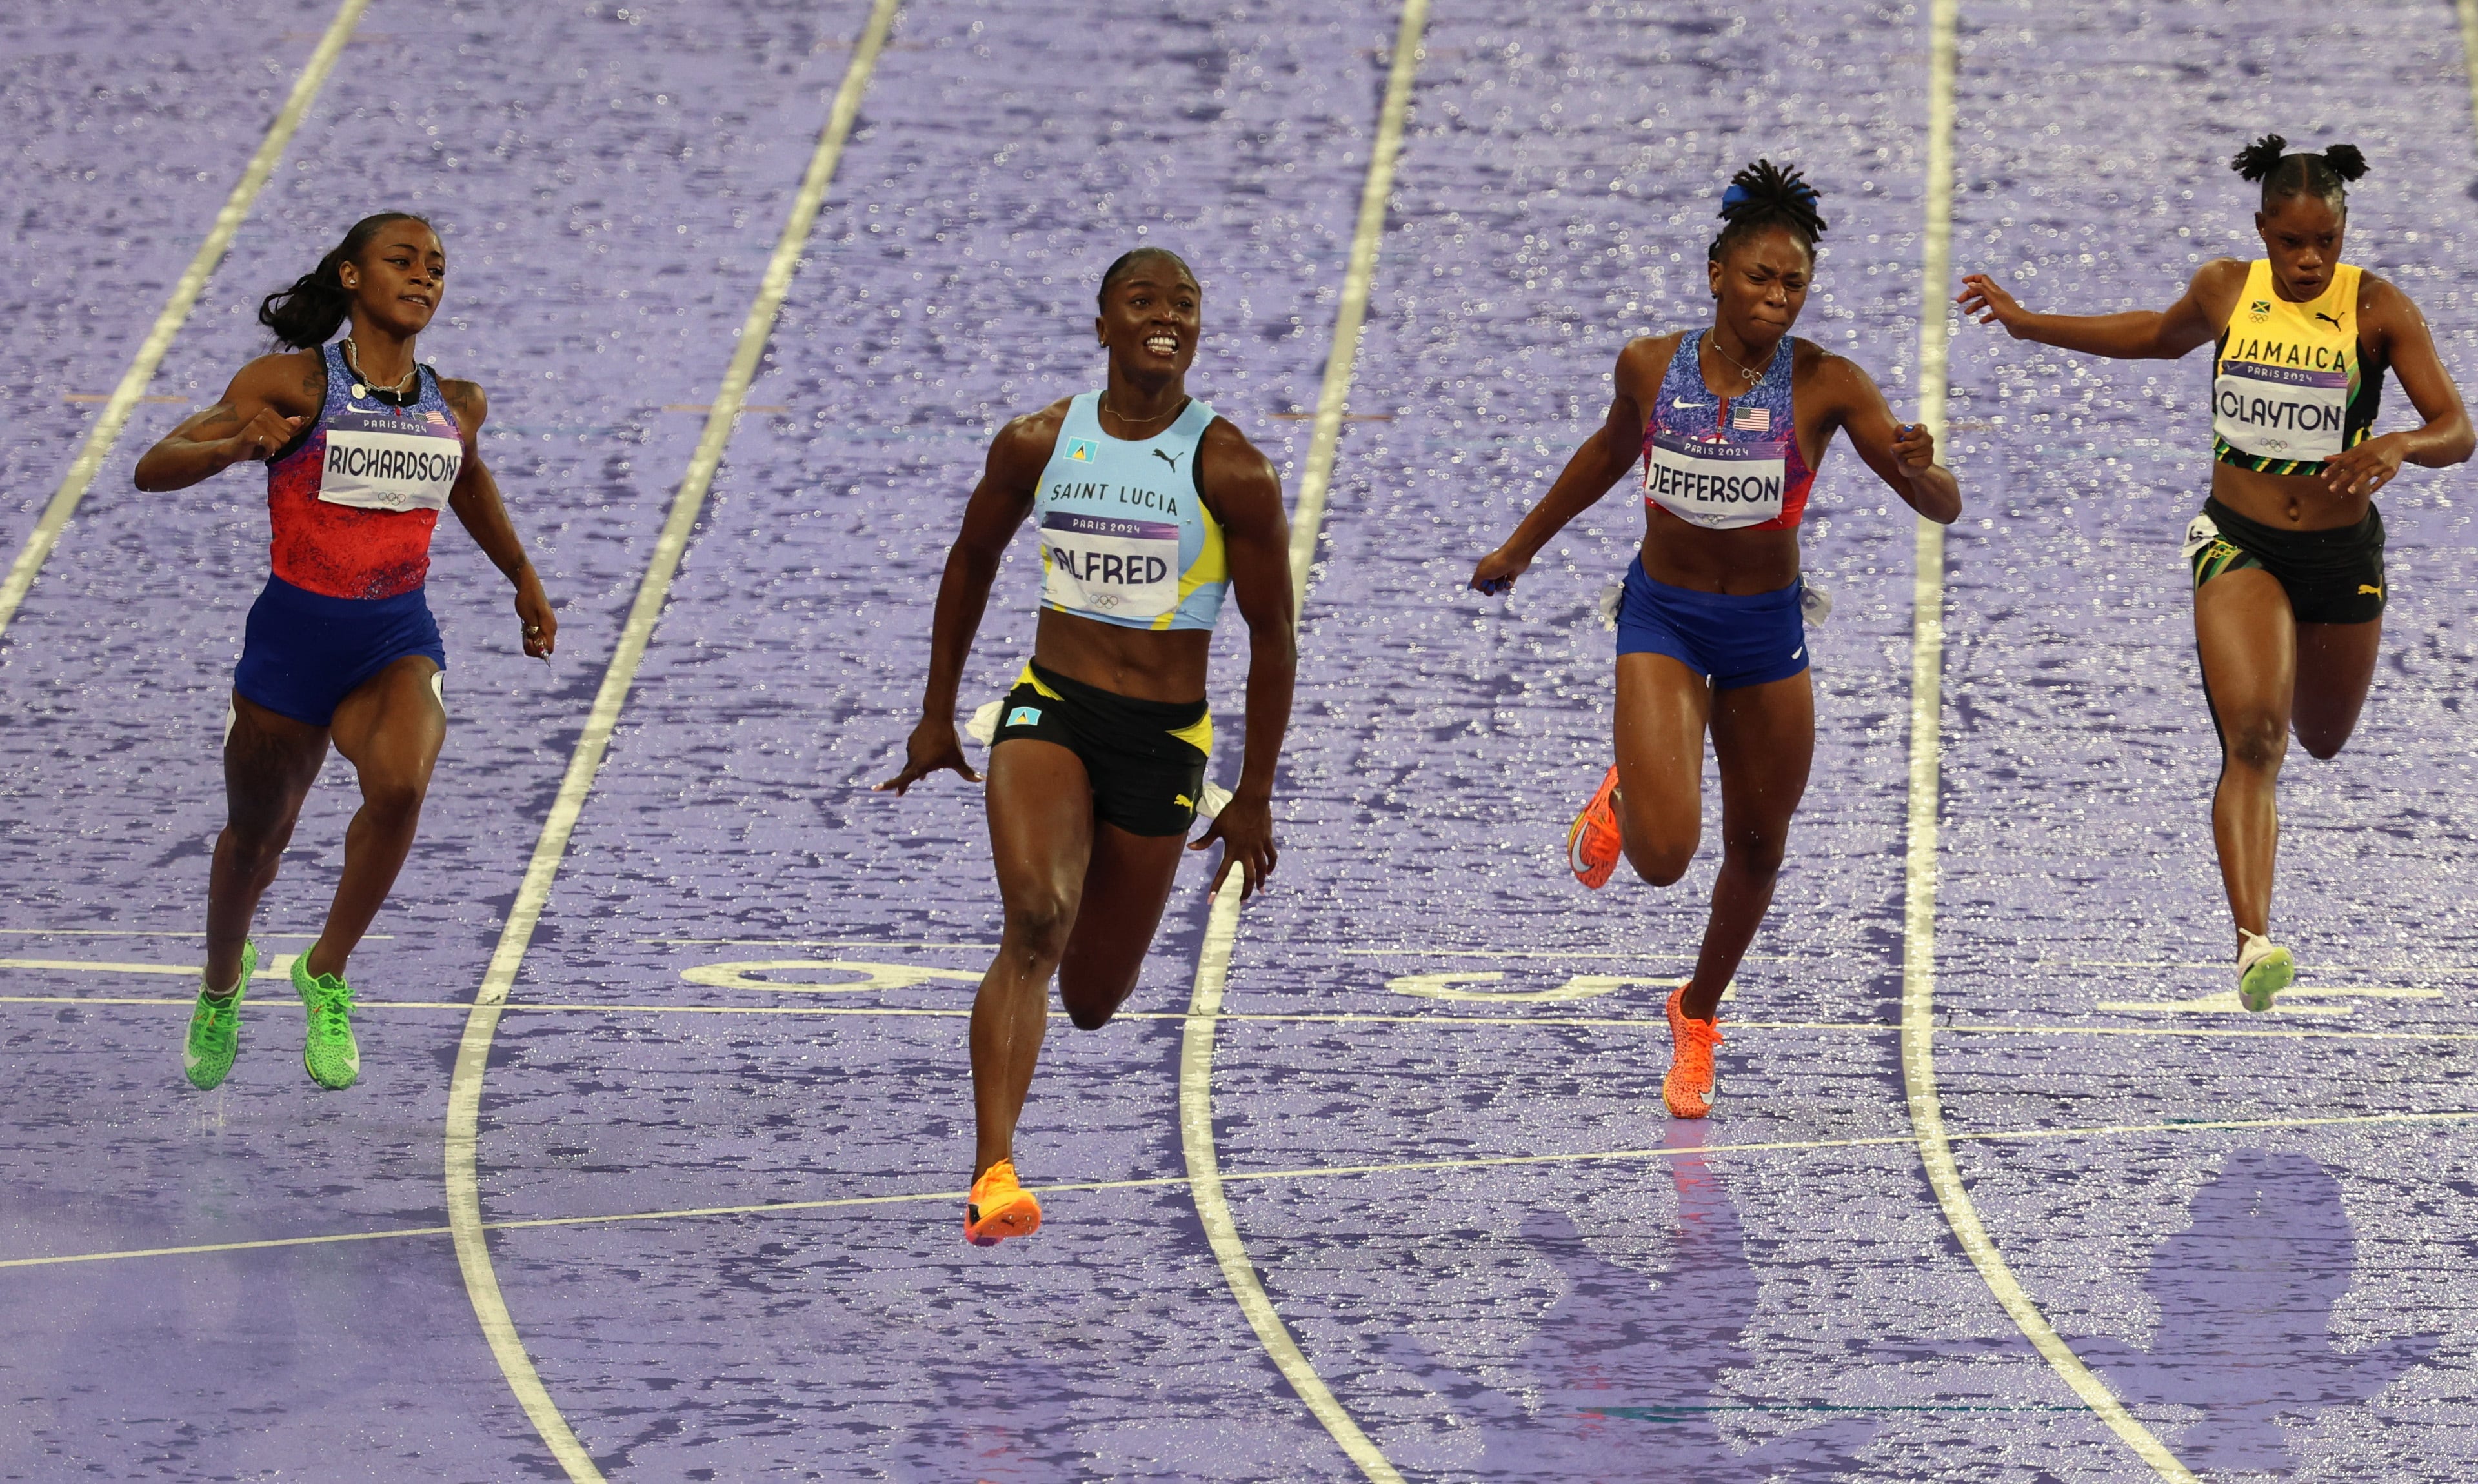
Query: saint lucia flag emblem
point(1079, 450)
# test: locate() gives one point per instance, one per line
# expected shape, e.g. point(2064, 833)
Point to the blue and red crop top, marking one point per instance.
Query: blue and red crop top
point(1726, 464)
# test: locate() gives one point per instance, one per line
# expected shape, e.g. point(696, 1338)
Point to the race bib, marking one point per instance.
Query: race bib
point(2280, 411)
point(1718, 485)
point(376, 461)
point(1113, 568)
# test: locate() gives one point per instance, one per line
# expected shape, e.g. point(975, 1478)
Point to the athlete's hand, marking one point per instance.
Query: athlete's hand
point(1914, 449)
point(933, 746)
point(1982, 300)
point(264, 437)
point(2365, 468)
point(1497, 571)
point(534, 611)
point(1244, 826)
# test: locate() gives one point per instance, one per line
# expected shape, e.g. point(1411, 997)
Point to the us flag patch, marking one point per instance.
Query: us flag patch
point(1750, 419)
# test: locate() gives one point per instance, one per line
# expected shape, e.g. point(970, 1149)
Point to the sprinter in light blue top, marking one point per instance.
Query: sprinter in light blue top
point(1125, 535)
point(1148, 508)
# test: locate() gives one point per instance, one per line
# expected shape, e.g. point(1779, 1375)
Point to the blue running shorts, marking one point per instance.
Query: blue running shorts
point(1737, 641)
point(304, 651)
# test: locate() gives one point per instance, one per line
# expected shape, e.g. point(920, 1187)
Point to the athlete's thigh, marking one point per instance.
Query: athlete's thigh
point(392, 726)
point(2247, 637)
point(1125, 886)
point(1764, 737)
point(270, 760)
point(1041, 824)
point(1662, 710)
point(2335, 665)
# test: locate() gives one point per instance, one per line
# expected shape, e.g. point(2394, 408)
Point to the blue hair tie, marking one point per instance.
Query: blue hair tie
point(1737, 195)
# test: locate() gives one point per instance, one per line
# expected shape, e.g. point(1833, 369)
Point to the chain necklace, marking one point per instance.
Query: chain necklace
point(1104, 406)
point(1714, 341)
point(353, 362)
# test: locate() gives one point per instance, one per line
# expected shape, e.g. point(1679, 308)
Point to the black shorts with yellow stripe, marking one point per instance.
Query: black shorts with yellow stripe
point(2334, 576)
point(1144, 759)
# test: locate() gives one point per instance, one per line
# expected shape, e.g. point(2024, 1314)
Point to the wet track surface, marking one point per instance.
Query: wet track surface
point(749, 985)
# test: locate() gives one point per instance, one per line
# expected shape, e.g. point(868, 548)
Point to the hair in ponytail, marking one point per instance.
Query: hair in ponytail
point(1763, 195)
point(2284, 175)
point(307, 314)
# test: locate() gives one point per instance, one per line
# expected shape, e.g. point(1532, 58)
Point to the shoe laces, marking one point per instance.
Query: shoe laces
point(331, 1002)
point(1695, 1042)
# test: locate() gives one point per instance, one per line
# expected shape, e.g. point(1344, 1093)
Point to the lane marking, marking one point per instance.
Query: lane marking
point(1222, 926)
point(1919, 865)
point(124, 399)
point(154, 931)
point(481, 1026)
point(2468, 10)
point(1264, 1176)
point(1322, 1017)
point(1316, 475)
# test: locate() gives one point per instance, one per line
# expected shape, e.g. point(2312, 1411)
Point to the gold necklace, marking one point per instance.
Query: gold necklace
point(1104, 406)
point(353, 362)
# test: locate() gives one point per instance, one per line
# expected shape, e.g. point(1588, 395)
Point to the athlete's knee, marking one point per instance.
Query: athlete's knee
point(2256, 740)
point(1756, 852)
point(394, 797)
point(1037, 924)
point(1089, 1007)
point(256, 849)
point(2323, 745)
point(1661, 863)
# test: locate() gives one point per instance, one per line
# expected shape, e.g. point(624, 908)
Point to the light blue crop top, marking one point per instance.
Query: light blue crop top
point(1124, 535)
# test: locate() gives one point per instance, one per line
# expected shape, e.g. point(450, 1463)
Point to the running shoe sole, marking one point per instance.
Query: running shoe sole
point(2269, 975)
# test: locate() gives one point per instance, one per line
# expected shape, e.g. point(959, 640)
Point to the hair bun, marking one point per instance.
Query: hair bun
point(2260, 158)
point(2345, 160)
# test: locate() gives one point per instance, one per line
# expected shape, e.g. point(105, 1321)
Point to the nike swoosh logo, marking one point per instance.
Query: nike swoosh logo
point(1799, 650)
point(1685, 405)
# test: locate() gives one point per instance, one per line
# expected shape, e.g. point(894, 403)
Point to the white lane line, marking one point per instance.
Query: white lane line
point(2468, 10)
point(115, 416)
point(1264, 1176)
point(1222, 926)
point(481, 1026)
point(1327, 1018)
point(1316, 476)
point(1918, 912)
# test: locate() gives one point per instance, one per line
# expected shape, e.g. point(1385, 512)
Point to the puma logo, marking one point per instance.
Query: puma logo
point(2363, 587)
point(1170, 459)
point(2319, 314)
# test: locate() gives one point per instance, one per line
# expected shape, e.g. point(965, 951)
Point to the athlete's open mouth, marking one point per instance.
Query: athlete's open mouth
point(1162, 345)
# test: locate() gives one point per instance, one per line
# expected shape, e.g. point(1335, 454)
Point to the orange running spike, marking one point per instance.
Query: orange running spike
point(998, 1208)
point(1593, 844)
point(1687, 1089)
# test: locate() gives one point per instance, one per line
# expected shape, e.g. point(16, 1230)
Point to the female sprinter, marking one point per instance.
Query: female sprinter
point(2288, 555)
point(1731, 423)
point(363, 445)
point(1148, 506)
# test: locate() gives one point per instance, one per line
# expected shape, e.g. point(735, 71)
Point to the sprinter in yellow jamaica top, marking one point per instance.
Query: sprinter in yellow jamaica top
point(2287, 553)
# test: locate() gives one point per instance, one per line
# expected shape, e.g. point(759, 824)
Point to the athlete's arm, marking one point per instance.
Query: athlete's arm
point(1903, 455)
point(1245, 494)
point(265, 405)
point(2386, 317)
point(475, 500)
point(2137, 335)
point(998, 506)
point(1607, 454)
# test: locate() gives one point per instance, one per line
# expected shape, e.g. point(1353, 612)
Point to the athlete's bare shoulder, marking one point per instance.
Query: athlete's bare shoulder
point(292, 382)
point(2216, 284)
point(2383, 308)
point(1229, 467)
point(470, 404)
point(1644, 362)
point(1023, 446)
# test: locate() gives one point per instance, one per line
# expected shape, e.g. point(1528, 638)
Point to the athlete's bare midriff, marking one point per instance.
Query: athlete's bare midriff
point(1732, 563)
point(2298, 502)
point(1144, 664)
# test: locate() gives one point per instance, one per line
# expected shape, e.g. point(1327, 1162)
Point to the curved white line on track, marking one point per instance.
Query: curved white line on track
point(1222, 926)
point(481, 1026)
point(115, 416)
point(1918, 907)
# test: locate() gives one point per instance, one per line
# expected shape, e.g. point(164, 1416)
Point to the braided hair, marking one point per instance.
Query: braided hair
point(305, 315)
point(2326, 175)
point(1765, 196)
point(1125, 262)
